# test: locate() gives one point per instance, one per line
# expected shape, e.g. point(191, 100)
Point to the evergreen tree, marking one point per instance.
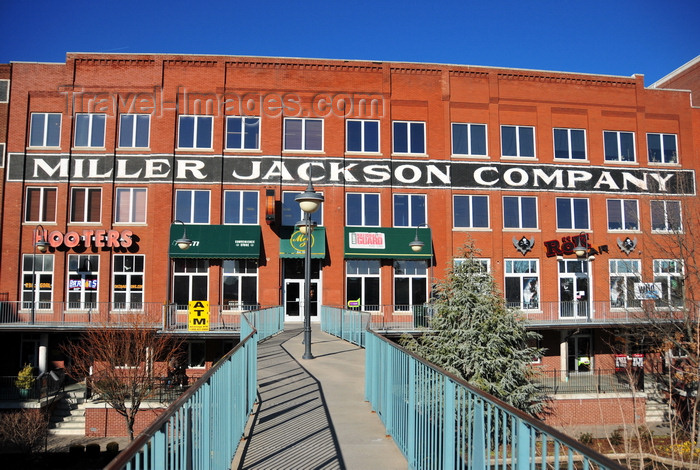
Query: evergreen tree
point(476, 337)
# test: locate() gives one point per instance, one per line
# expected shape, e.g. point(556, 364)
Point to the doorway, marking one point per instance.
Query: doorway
point(580, 353)
point(574, 289)
point(294, 285)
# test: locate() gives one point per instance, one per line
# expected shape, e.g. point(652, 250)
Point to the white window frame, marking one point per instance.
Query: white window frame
point(662, 160)
point(132, 206)
point(572, 213)
point(363, 140)
point(85, 191)
point(364, 274)
point(5, 97)
point(27, 296)
point(411, 216)
point(409, 151)
point(288, 197)
point(242, 207)
point(243, 268)
point(470, 136)
point(75, 274)
point(129, 273)
point(485, 263)
point(518, 145)
point(244, 123)
point(675, 271)
point(44, 215)
point(45, 129)
point(414, 274)
point(193, 267)
point(134, 129)
point(620, 158)
point(197, 118)
point(470, 224)
point(528, 304)
point(304, 122)
point(520, 213)
point(667, 228)
point(90, 131)
point(628, 276)
point(362, 209)
point(190, 219)
point(624, 222)
point(570, 148)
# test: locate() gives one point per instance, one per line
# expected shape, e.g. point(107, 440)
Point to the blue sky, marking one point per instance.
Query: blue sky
point(614, 37)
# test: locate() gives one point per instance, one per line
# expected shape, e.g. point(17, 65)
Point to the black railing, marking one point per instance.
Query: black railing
point(556, 382)
point(45, 385)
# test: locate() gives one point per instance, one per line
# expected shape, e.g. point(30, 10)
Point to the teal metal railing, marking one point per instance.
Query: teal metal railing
point(440, 421)
point(202, 428)
point(349, 325)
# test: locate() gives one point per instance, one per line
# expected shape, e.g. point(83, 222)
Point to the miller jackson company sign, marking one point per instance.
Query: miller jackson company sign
point(349, 172)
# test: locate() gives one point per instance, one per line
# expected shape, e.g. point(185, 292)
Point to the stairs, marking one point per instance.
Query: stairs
point(656, 407)
point(68, 417)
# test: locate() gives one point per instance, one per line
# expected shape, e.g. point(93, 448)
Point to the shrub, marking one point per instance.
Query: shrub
point(76, 449)
point(25, 378)
point(586, 438)
point(112, 447)
point(25, 429)
point(617, 437)
point(92, 449)
point(645, 434)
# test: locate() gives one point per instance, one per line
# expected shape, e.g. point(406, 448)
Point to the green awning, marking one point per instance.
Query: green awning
point(293, 243)
point(391, 243)
point(217, 241)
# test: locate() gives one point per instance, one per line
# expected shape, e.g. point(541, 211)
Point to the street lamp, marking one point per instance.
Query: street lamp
point(309, 202)
point(581, 248)
point(417, 245)
point(183, 243)
point(39, 242)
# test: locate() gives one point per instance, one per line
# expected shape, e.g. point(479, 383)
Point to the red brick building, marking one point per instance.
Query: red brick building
point(106, 151)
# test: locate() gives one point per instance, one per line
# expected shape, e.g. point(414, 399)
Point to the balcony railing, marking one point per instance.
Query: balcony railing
point(45, 385)
point(558, 382)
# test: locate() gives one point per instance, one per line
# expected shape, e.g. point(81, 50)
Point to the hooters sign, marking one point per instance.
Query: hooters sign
point(98, 238)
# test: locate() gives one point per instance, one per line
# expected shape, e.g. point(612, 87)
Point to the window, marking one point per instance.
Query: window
point(666, 216)
point(362, 209)
point(242, 133)
point(572, 213)
point(37, 281)
point(619, 146)
point(195, 132)
point(518, 141)
point(241, 207)
point(409, 137)
point(90, 130)
point(519, 212)
point(662, 148)
point(669, 274)
point(469, 139)
point(45, 130)
point(240, 283)
point(85, 204)
point(192, 207)
point(570, 144)
point(40, 205)
point(130, 205)
point(303, 134)
point(292, 213)
point(127, 282)
point(190, 281)
point(623, 214)
point(471, 211)
point(134, 130)
point(522, 284)
point(409, 210)
point(83, 277)
point(4, 91)
point(362, 136)
point(624, 273)
point(479, 264)
point(196, 353)
point(362, 284)
point(410, 284)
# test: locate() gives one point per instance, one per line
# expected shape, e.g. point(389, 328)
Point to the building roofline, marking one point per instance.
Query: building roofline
point(678, 71)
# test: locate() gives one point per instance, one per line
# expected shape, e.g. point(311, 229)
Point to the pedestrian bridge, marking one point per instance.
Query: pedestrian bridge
point(361, 403)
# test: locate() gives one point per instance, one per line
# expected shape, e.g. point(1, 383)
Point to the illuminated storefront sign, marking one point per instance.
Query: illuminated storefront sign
point(97, 238)
point(567, 246)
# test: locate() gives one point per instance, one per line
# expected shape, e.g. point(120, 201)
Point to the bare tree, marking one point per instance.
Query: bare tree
point(117, 362)
point(25, 430)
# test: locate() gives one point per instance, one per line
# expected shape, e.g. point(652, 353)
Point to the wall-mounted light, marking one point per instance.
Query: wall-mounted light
point(269, 206)
point(417, 245)
point(581, 247)
point(40, 242)
point(183, 243)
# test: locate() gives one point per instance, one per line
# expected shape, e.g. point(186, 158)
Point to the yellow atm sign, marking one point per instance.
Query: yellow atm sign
point(198, 315)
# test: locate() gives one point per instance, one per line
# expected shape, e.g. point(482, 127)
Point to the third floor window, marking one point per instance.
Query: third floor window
point(468, 139)
point(192, 207)
point(518, 141)
point(195, 132)
point(303, 134)
point(45, 130)
point(362, 136)
point(619, 146)
point(242, 133)
point(662, 148)
point(90, 130)
point(409, 137)
point(570, 144)
point(134, 130)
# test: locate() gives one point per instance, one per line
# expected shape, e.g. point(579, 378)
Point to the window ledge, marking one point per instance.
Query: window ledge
point(470, 157)
point(394, 154)
point(240, 151)
point(571, 160)
point(194, 150)
point(52, 148)
point(472, 229)
point(665, 165)
point(518, 159)
point(522, 230)
point(360, 154)
point(133, 149)
point(301, 152)
point(89, 149)
point(616, 162)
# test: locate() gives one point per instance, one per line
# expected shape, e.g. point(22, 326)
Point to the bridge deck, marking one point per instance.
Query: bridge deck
point(312, 413)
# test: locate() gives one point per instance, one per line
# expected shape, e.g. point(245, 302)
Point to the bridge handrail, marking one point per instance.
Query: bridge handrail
point(201, 429)
point(417, 401)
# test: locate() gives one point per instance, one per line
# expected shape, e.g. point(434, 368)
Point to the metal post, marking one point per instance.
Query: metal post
point(307, 290)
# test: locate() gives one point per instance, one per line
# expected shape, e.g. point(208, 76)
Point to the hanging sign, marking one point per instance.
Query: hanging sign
point(198, 315)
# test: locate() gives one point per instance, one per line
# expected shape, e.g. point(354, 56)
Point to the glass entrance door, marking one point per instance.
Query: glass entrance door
point(574, 291)
point(294, 290)
point(579, 353)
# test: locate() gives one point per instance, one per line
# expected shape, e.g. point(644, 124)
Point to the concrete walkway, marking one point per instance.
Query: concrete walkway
point(312, 413)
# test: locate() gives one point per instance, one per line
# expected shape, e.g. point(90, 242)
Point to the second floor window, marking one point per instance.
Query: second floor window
point(130, 206)
point(572, 213)
point(40, 205)
point(195, 132)
point(292, 213)
point(619, 146)
point(362, 136)
point(192, 207)
point(570, 144)
point(519, 212)
point(409, 210)
point(409, 137)
point(468, 139)
point(668, 273)
point(662, 148)
point(303, 134)
point(241, 207)
point(623, 214)
point(85, 204)
point(134, 130)
point(127, 281)
point(518, 141)
point(471, 211)
point(362, 209)
point(90, 130)
point(624, 274)
point(242, 133)
point(45, 130)
point(666, 216)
